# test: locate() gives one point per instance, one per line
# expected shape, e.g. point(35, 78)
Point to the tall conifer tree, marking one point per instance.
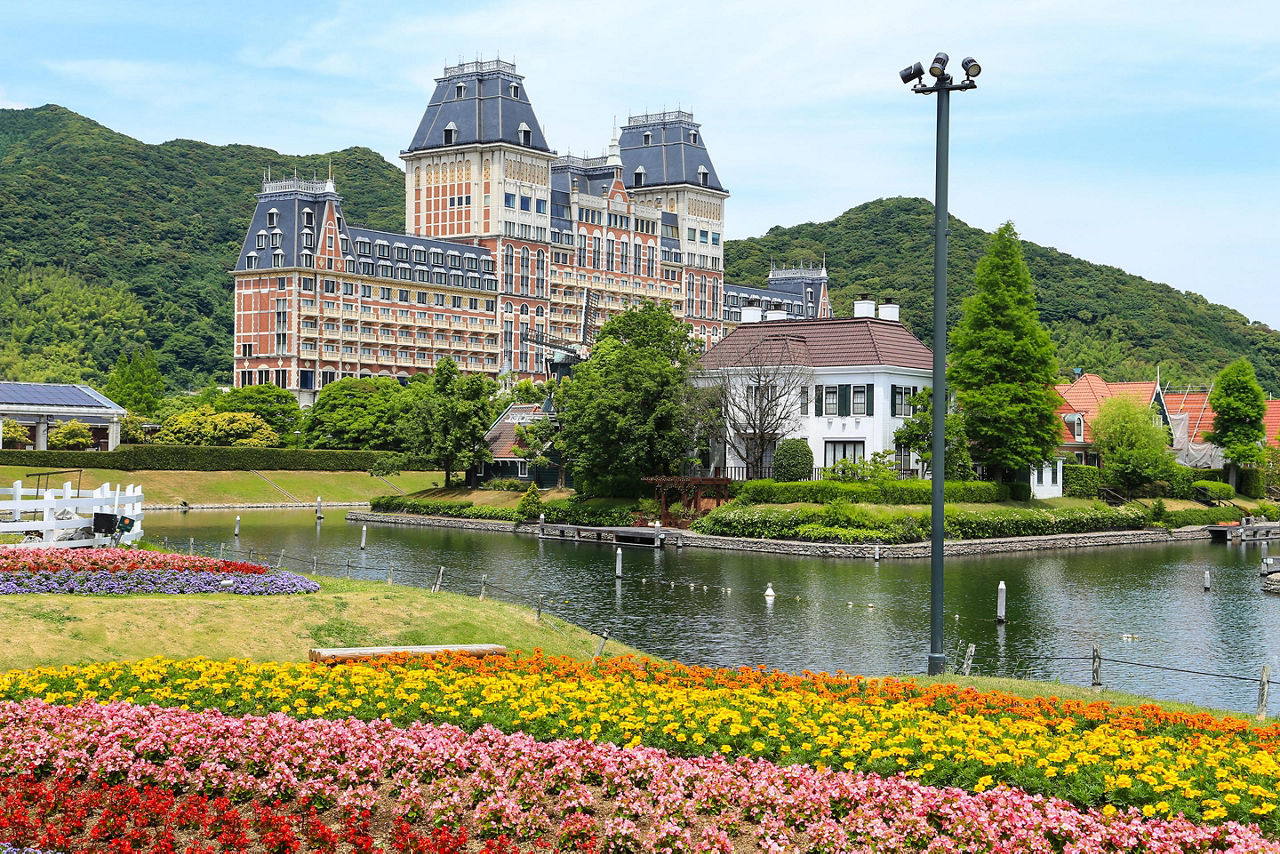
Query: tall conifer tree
point(1003, 366)
point(1238, 409)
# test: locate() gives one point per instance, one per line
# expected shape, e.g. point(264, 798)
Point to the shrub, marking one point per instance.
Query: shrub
point(1158, 510)
point(793, 460)
point(591, 513)
point(71, 435)
point(504, 484)
point(1081, 481)
point(1180, 480)
point(1252, 483)
point(530, 504)
point(886, 492)
point(1214, 489)
point(878, 467)
point(849, 536)
point(1202, 516)
point(1019, 491)
point(766, 523)
point(1031, 522)
point(1268, 511)
point(201, 458)
point(455, 509)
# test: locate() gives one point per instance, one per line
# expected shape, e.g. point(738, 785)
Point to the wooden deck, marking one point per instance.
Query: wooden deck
point(650, 538)
point(1248, 531)
point(340, 655)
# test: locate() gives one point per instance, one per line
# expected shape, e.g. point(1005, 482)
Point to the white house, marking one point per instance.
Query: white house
point(842, 384)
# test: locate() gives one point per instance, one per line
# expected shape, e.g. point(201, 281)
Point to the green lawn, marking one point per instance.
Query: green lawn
point(236, 487)
point(52, 629)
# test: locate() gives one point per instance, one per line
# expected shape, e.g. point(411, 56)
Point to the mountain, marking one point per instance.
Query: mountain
point(106, 242)
point(163, 223)
point(1103, 320)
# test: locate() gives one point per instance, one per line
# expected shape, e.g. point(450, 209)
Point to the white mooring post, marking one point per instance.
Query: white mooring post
point(364, 534)
point(319, 508)
point(617, 564)
point(237, 527)
point(1206, 580)
point(1263, 683)
point(1001, 592)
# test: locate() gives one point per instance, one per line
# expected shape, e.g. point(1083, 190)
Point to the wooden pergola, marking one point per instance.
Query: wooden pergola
point(697, 494)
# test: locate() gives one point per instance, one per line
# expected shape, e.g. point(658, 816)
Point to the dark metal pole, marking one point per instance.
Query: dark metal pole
point(937, 658)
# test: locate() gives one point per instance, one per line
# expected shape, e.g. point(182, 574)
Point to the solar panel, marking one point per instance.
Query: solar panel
point(47, 394)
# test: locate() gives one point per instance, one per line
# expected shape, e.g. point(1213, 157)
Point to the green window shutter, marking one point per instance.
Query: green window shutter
point(893, 401)
point(871, 392)
point(817, 400)
point(843, 396)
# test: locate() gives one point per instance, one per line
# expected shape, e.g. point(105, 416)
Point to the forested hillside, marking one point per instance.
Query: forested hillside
point(1102, 319)
point(106, 241)
point(159, 223)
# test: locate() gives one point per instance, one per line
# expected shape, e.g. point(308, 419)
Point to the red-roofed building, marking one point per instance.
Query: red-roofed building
point(503, 443)
point(1081, 401)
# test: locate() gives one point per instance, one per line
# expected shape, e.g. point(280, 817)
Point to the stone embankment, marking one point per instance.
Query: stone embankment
point(689, 539)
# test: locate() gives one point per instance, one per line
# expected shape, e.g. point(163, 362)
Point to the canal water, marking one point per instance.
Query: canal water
point(1140, 604)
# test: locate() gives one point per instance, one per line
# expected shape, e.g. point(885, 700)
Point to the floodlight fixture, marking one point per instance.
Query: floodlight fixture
point(939, 66)
point(971, 67)
point(911, 72)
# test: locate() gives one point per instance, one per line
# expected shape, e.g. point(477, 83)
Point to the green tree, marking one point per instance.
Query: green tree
point(70, 436)
point(446, 421)
point(1002, 365)
point(626, 413)
point(1132, 443)
point(135, 382)
point(652, 327)
point(1238, 409)
point(530, 503)
point(541, 444)
point(274, 405)
point(203, 426)
point(355, 414)
point(12, 434)
point(916, 433)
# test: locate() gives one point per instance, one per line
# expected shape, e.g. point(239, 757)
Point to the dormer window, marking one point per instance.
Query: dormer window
point(277, 258)
point(693, 137)
point(276, 237)
point(460, 91)
point(1078, 428)
point(308, 239)
point(262, 239)
point(703, 175)
point(648, 138)
point(450, 134)
point(273, 218)
point(308, 218)
point(525, 134)
point(251, 261)
point(638, 178)
point(515, 91)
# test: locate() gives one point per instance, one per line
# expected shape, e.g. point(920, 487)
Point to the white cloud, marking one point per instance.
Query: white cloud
point(7, 103)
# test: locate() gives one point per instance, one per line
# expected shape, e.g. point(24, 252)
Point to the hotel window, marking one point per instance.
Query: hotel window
point(273, 217)
point(836, 451)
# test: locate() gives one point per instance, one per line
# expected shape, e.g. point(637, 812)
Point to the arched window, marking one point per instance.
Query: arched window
point(539, 312)
point(524, 270)
point(508, 307)
point(508, 268)
point(540, 274)
point(524, 309)
point(648, 138)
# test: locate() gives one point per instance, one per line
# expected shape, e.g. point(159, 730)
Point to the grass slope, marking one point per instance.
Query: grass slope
point(237, 487)
point(51, 629)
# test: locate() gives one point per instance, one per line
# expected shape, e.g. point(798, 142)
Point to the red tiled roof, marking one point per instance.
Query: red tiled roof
point(501, 437)
point(1196, 405)
point(829, 342)
point(1085, 397)
point(1271, 422)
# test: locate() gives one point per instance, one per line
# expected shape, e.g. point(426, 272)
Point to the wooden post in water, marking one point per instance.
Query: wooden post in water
point(1263, 683)
point(1097, 667)
point(315, 565)
point(391, 567)
point(220, 546)
point(166, 543)
point(280, 565)
point(968, 658)
point(484, 579)
point(237, 527)
point(191, 545)
point(250, 554)
point(348, 567)
point(435, 588)
point(537, 617)
point(604, 639)
point(1001, 592)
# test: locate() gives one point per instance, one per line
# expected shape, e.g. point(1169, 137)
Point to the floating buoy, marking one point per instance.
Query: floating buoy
point(768, 591)
point(690, 585)
point(850, 604)
point(728, 590)
point(704, 588)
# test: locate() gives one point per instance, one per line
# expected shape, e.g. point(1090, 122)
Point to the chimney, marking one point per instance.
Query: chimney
point(776, 314)
point(864, 306)
point(751, 314)
point(888, 310)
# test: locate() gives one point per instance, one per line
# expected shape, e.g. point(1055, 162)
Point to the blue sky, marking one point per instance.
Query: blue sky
point(1137, 134)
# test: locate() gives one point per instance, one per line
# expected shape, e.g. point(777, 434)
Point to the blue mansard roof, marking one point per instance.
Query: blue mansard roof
point(674, 154)
point(491, 106)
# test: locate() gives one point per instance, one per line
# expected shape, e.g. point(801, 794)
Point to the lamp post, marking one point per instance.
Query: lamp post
point(297, 438)
point(943, 86)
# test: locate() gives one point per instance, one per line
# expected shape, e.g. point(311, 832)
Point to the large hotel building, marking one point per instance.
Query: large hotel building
point(511, 253)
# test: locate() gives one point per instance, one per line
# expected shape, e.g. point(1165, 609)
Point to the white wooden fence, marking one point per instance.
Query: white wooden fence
point(35, 514)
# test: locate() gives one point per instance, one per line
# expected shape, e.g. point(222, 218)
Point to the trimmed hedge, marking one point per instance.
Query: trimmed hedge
point(1216, 490)
point(1030, 522)
point(1253, 483)
point(196, 458)
point(1202, 516)
point(564, 511)
point(890, 492)
point(1081, 481)
point(452, 509)
point(761, 523)
point(850, 536)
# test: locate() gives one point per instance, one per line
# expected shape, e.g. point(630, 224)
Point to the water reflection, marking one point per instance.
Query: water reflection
point(1144, 604)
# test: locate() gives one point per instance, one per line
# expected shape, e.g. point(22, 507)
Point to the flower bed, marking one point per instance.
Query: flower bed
point(1091, 754)
point(107, 572)
point(126, 778)
point(117, 560)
